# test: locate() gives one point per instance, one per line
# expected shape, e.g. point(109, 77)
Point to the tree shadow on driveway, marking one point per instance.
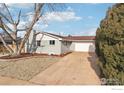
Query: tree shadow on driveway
point(92, 58)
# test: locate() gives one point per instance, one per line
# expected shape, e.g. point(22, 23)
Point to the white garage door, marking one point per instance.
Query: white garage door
point(84, 47)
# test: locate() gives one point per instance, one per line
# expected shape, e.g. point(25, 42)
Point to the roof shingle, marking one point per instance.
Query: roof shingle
point(79, 37)
point(72, 37)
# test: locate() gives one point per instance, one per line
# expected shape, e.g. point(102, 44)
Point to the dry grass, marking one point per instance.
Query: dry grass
point(27, 68)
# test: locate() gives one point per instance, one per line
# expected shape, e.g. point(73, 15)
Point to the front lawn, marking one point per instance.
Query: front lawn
point(26, 68)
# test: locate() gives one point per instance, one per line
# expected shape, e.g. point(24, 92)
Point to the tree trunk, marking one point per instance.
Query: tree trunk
point(25, 38)
point(35, 19)
point(15, 44)
point(5, 45)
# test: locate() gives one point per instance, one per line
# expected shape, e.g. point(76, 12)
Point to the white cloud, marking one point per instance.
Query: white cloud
point(21, 34)
point(61, 16)
point(22, 24)
point(20, 5)
point(40, 26)
point(64, 16)
point(29, 16)
point(10, 26)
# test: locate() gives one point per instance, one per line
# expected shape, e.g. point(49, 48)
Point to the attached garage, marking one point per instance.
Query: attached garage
point(82, 43)
point(84, 47)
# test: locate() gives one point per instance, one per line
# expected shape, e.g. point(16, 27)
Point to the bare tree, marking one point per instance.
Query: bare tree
point(12, 33)
point(5, 17)
point(36, 17)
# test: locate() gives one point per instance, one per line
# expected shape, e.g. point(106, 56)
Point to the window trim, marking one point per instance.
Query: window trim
point(38, 42)
point(51, 42)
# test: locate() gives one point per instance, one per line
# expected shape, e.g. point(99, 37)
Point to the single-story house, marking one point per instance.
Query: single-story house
point(9, 43)
point(48, 43)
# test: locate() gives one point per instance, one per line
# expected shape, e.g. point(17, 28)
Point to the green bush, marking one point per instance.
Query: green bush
point(110, 44)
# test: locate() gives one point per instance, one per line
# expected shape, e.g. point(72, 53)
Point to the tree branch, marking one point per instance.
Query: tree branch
point(4, 29)
point(5, 45)
point(8, 28)
point(22, 29)
point(18, 20)
point(35, 19)
point(8, 34)
point(9, 14)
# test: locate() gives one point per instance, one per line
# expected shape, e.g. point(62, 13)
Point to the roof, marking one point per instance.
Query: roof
point(72, 38)
point(54, 34)
point(79, 37)
point(8, 39)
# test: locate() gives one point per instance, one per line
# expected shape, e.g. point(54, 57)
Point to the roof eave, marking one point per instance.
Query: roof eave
point(76, 40)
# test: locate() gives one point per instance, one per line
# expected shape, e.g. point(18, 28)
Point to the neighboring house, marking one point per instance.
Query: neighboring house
point(48, 43)
point(9, 43)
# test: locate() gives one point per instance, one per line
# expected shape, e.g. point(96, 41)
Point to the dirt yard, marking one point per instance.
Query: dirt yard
point(76, 68)
point(25, 69)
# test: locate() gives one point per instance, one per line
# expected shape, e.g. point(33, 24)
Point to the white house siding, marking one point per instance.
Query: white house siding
point(49, 49)
point(72, 47)
point(84, 46)
point(65, 47)
point(30, 44)
point(46, 47)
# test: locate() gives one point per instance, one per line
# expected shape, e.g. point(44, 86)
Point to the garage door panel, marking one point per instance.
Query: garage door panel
point(84, 47)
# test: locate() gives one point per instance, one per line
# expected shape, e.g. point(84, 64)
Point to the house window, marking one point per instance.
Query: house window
point(38, 43)
point(52, 42)
point(65, 43)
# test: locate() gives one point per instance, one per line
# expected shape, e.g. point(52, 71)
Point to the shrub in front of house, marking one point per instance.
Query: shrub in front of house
point(110, 44)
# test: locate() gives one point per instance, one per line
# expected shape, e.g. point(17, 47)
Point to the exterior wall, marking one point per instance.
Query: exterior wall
point(72, 47)
point(49, 49)
point(31, 43)
point(60, 47)
point(45, 47)
point(84, 46)
point(65, 47)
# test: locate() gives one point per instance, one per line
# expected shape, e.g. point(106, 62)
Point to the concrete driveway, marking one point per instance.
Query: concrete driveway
point(74, 69)
point(13, 81)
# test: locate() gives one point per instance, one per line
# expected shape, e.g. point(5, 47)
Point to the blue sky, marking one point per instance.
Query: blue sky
point(89, 16)
point(75, 19)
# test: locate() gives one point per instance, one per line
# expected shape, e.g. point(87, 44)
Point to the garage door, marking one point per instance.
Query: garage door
point(85, 47)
